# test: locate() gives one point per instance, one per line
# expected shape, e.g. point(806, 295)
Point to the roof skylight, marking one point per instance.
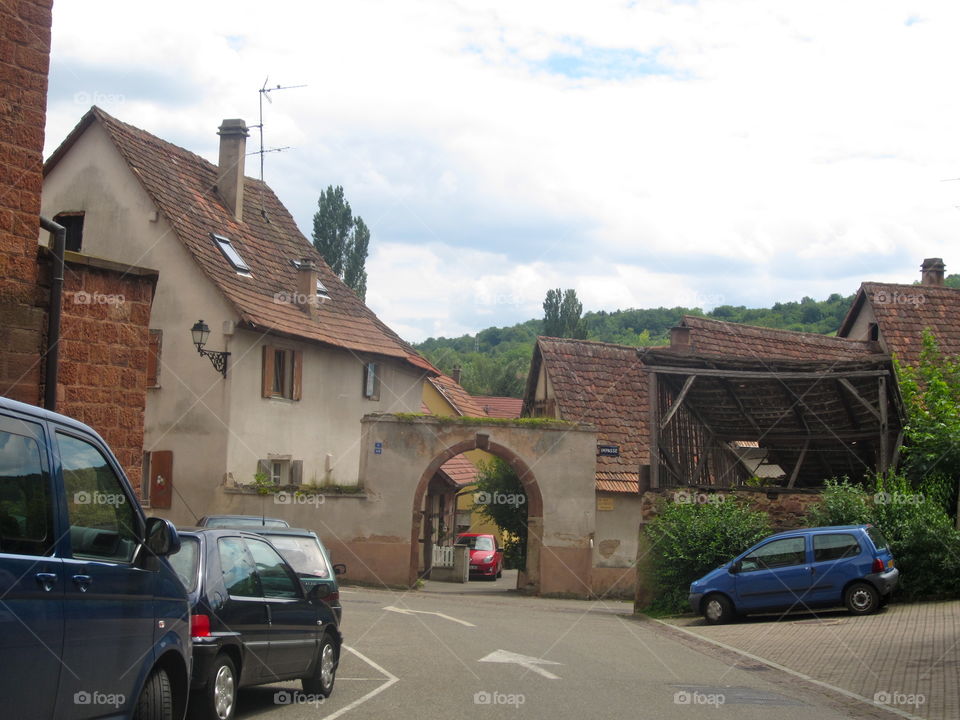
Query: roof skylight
point(231, 254)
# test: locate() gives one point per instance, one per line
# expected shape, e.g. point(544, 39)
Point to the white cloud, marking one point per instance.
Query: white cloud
point(805, 142)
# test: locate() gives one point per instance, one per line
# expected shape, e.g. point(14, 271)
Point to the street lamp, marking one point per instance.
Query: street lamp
point(200, 332)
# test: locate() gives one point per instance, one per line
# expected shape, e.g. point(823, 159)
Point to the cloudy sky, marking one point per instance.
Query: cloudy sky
point(646, 153)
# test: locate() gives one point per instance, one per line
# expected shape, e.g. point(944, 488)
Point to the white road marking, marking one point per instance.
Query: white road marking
point(391, 679)
point(795, 673)
point(405, 611)
point(530, 663)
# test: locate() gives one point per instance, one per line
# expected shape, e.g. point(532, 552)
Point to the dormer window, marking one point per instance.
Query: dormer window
point(231, 254)
point(322, 291)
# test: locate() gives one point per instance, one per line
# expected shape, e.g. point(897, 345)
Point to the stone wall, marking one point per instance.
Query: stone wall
point(24, 61)
point(787, 508)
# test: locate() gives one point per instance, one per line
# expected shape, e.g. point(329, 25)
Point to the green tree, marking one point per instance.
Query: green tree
point(342, 239)
point(561, 315)
point(505, 503)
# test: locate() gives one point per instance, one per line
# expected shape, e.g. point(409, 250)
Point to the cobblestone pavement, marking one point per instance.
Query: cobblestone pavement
point(905, 658)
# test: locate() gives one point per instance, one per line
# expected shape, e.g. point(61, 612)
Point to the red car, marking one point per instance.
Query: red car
point(486, 555)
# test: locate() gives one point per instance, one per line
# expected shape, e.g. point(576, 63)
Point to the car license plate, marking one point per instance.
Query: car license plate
point(474, 567)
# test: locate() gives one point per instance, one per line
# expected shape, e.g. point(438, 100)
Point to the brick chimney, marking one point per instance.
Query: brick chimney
point(233, 151)
point(307, 286)
point(455, 374)
point(931, 272)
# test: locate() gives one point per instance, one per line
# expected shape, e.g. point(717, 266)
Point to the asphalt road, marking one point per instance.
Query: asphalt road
point(495, 654)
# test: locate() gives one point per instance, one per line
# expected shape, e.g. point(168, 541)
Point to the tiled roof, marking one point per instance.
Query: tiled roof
point(182, 185)
point(620, 482)
point(500, 407)
point(903, 312)
point(460, 470)
point(602, 384)
point(461, 401)
point(715, 337)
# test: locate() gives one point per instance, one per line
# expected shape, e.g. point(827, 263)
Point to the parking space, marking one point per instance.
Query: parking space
point(905, 658)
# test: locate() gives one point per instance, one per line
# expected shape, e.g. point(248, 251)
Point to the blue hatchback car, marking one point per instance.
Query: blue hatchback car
point(809, 568)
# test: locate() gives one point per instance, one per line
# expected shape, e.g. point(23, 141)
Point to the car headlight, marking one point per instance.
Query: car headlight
point(486, 559)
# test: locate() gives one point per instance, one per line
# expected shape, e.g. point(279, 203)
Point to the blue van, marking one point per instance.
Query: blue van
point(93, 620)
point(809, 568)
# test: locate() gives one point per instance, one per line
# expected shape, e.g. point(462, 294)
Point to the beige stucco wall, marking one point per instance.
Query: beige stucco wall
point(860, 330)
point(615, 544)
point(217, 428)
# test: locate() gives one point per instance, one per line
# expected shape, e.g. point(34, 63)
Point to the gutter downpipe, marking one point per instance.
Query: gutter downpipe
point(56, 310)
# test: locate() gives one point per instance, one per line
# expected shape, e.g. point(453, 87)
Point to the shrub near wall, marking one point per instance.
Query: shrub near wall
point(689, 539)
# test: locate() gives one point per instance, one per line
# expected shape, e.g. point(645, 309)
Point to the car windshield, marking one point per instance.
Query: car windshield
point(476, 543)
point(244, 522)
point(185, 562)
point(303, 554)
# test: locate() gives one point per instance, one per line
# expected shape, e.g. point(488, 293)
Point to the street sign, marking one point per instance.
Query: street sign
point(378, 448)
point(608, 450)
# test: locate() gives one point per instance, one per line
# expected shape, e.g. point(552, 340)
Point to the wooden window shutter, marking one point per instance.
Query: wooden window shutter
point(263, 466)
point(266, 378)
point(161, 478)
point(297, 374)
point(153, 358)
point(296, 472)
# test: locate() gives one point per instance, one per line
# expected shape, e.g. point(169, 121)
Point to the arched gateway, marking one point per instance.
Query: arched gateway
point(554, 460)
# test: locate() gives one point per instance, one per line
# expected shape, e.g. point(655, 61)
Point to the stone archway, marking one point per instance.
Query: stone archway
point(554, 460)
point(529, 579)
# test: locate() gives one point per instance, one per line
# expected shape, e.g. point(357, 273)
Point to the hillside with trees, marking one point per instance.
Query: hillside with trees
point(495, 361)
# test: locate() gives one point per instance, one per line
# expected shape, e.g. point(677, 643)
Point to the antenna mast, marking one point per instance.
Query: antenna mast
point(265, 93)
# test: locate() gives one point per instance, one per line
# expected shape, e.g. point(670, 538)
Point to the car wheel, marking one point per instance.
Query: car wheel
point(862, 598)
point(156, 698)
point(499, 572)
point(717, 609)
point(218, 699)
point(325, 673)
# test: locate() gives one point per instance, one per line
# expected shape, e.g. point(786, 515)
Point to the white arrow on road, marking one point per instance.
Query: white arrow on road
point(530, 663)
point(405, 611)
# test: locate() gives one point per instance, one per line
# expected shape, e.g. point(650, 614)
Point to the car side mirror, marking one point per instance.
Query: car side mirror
point(736, 567)
point(161, 537)
point(339, 569)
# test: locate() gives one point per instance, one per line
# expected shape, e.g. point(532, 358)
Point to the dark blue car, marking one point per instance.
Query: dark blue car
point(847, 565)
point(93, 620)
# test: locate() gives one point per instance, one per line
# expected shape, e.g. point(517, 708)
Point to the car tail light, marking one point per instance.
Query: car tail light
point(199, 626)
point(878, 565)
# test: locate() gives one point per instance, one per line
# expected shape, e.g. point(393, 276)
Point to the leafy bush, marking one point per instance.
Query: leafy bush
point(924, 543)
point(497, 478)
point(688, 540)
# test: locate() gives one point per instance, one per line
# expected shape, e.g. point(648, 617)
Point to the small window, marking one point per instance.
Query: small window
point(231, 254)
point(103, 523)
point(153, 358)
point(73, 224)
point(282, 373)
point(834, 547)
point(279, 472)
point(371, 381)
point(775, 554)
point(874, 332)
point(322, 291)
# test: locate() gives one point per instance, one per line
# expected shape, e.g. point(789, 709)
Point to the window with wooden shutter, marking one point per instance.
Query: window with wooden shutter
point(266, 384)
point(153, 358)
point(282, 374)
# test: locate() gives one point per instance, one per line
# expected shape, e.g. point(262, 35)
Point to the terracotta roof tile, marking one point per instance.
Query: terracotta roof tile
point(460, 470)
point(183, 185)
point(619, 482)
point(715, 337)
point(902, 323)
point(500, 407)
point(462, 401)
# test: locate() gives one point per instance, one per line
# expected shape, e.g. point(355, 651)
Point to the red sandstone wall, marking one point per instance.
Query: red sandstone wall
point(24, 61)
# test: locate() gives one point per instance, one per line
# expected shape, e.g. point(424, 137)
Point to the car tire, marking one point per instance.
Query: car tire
point(717, 609)
point(861, 598)
point(325, 672)
point(156, 698)
point(499, 572)
point(218, 698)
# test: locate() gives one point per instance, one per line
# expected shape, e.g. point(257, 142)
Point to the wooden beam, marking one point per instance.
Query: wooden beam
point(863, 401)
point(796, 468)
point(884, 426)
point(767, 374)
point(679, 401)
point(895, 456)
point(653, 430)
point(739, 404)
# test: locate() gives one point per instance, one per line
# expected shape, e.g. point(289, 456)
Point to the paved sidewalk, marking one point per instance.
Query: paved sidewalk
point(905, 658)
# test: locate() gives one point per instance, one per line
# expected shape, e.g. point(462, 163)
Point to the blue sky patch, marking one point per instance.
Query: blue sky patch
point(584, 62)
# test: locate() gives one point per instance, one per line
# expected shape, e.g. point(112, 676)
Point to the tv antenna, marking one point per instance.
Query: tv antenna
point(265, 93)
